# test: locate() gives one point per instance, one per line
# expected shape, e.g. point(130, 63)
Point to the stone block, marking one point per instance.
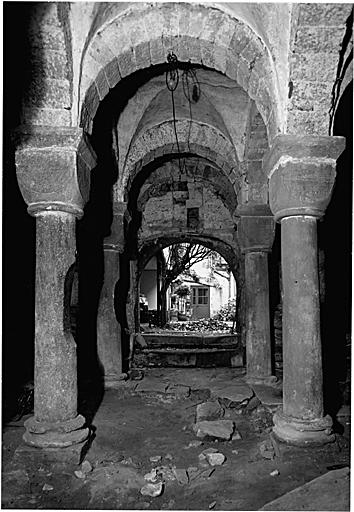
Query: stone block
point(126, 63)
point(314, 66)
point(209, 411)
point(100, 52)
point(92, 99)
point(46, 163)
point(220, 429)
point(301, 186)
point(207, 53)
point(302, 147)
point(47, 37)
point(49, 93)
point(241, 38)
point(52, 64)
point(157, 51)
point(323, 14)
point(102, 84)
point(47, 116)
point(142, 54)
point(310, 38)
point(237, 392)
point(256, 233)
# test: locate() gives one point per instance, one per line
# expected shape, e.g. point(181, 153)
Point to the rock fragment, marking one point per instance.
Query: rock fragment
point(155, 458)
point(220, 429)
point(275, 473)
point(209, 411)
point(215, 459)
point(236, 436)
point(80, 474)
point(86, 467)
point(267, 450)
point(152, 476)
point(193, 444)
point(152, 490)
point(181, 476)
point(47, 487)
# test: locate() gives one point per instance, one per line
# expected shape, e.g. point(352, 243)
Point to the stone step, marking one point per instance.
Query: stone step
point(191, 350)
point(191, 341)
point(191, 357)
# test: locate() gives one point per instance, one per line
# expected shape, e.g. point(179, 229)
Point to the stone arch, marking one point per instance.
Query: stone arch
point(140, 38)
point(160, 141)
point(150, 246)
point(164, 177)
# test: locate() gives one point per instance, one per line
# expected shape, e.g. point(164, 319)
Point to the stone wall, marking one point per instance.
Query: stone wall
point(196, 209)
point(317, 35)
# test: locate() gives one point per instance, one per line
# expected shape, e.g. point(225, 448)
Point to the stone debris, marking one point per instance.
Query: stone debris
point(136, 374)
point(179, 390)
point(275, 473)
point(151, 386)
point(86, 467)
point(152, 476)
point(193, 444)
point(139, 338)
point(212, 505)
point(169, 456)
point(215, 459)
point(220, 429)
point(266, 449)
point(80, 474)
point(235, 452)
point(181, 476)
point(169, 506)
point(192, 469)
point(210, 450)
point(127, 462)
point(152, 490)
point(236, 436)
point(253, 403)
point(47, 487)
point(209, 411)
point(203, 461)
point(237, 393)
point(155, 458)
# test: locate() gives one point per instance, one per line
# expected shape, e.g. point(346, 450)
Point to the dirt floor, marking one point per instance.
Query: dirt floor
point(154, 417)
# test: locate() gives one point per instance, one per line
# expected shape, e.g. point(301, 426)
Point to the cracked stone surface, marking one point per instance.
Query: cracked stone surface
point(234, 392)
point(314, 495)
point(268, 395)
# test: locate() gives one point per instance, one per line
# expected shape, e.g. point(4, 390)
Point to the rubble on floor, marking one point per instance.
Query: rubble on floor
point(146, 453)
point(202, 325)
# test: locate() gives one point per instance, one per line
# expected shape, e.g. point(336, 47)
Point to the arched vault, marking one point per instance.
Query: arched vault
point(142, 36)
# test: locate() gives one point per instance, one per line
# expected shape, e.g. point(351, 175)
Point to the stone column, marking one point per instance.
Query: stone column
point(109, 340)
point(301, 173)
point(256, 235)
point(53, 170)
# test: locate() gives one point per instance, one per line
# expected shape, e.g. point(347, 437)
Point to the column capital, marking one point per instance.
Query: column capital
point(53, 168)
point(115, 241)
point(256, 233)
point(301, 171)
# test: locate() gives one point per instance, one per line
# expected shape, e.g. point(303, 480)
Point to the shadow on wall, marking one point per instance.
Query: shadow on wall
point(18, 226)
point(335, 239)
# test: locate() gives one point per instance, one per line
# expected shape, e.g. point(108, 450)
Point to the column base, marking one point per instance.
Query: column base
point(303, 432)
point(114, 381)
point(55, 435)
point(270, 380)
